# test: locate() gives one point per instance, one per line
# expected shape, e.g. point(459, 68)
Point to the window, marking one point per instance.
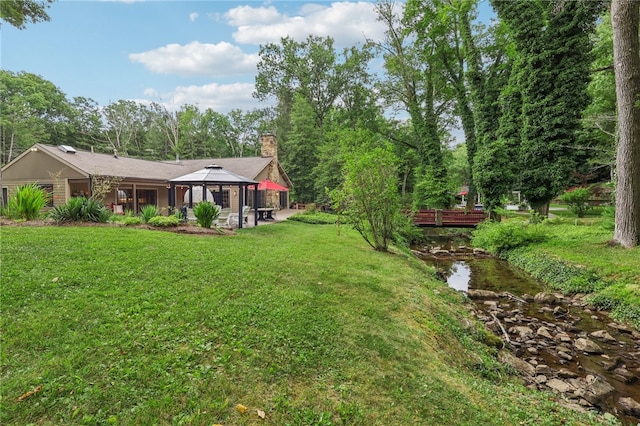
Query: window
point(226, 203)
point(147, 197)
point(48, 188)
point(5, 196)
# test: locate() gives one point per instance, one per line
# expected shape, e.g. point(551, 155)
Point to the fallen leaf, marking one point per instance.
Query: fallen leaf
point(28, 394)
point(261, 414)
point(241, 408)
point(55, 280)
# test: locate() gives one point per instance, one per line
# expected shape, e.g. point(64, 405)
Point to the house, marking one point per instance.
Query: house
point(133, 183)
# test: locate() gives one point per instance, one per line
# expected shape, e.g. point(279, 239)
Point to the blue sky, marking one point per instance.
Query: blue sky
point(172, 52)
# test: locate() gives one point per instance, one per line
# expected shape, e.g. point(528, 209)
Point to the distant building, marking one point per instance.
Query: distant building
point(66, 172)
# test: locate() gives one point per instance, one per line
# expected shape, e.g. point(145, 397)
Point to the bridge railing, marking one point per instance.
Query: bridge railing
point(453, 218)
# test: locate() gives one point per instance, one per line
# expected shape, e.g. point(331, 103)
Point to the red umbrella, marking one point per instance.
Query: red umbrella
point(268, 184)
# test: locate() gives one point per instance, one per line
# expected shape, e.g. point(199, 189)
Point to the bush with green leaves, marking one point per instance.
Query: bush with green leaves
point(205, 213)
point(164, 221)
point(315, 218)
point(27, 202)
point(80, 209)
point(577, 200)
point(608, 218)
point(148, 212)
point(500, 236)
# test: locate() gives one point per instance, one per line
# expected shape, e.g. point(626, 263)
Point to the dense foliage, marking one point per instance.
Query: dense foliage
point(27, 202)
point(206, 212)
point(80, 209)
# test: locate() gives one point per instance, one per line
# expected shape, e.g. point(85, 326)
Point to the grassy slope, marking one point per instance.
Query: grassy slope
point(587, 246)
point(130, 326)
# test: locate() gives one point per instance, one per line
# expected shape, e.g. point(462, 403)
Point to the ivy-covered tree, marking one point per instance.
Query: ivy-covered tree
point(553, 40)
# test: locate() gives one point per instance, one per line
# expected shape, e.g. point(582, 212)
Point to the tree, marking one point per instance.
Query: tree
point(20, 12)
point(625, 18)
point(122, 121)
point(33, 110)
point(553, 42)
point(301, 155)
point(370, 192)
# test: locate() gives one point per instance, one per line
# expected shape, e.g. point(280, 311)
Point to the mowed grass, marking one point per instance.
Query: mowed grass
point(286, 324)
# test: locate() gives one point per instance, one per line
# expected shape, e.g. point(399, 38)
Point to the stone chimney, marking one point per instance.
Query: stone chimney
point(269, 148)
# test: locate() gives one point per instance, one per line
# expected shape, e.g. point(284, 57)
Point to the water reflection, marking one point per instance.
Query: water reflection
point(459, 276)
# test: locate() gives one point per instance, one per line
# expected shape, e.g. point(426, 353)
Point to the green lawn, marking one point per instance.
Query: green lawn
point(113, 325)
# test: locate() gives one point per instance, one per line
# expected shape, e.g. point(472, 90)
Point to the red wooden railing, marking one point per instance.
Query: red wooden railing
point(449, 218)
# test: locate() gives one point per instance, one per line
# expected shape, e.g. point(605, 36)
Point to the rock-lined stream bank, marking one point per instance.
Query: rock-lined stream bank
point(558, 343)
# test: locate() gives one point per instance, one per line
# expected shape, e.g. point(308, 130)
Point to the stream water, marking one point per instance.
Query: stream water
point(561, 343)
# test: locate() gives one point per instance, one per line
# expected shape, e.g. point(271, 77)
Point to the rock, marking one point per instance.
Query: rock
point(527, 297)
point(560, 386)
point(440, 252)
point(588, 346)
point(522, 366)
point(543, 369)
point(544, 332)
point(603, 336)
point(545, 298)
point(630, 406)
point(620, 327)
point(523, 331)
point(481, 294)
point(532, 350)
point(563, 337)
point(567, 374)
point(612, 364)
point(479, 251)
point(623, 375)
point(597, 389)
point(565, 356)
point(541, 379)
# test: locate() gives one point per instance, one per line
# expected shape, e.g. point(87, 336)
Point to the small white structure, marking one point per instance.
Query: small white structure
point(197, 195)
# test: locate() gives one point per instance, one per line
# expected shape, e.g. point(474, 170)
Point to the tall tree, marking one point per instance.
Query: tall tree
point(20, 12)
point(33, 110)
point(553, 41)
point(302, 150)
point(625, 18)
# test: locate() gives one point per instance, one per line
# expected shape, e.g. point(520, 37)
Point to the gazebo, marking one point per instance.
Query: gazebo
point(212, 176)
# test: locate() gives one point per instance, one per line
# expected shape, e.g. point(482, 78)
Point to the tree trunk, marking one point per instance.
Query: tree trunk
point(625, 17)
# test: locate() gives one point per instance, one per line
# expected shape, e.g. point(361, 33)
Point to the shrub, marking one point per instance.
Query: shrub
point(80, 209)
point(27, 202)
point(500, 236)
point(316, 218)
point(577, 200)
point(205, 213)
point(148, 212)
point(608, 218)
point(131, 220)
point(164, 221)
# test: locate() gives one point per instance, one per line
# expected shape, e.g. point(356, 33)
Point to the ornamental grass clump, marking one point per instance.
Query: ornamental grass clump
point(27, 202)
point(80, 209)
point(205, 213)
point(148, 212)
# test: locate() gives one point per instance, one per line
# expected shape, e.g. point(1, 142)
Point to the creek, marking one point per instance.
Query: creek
point(558, 343)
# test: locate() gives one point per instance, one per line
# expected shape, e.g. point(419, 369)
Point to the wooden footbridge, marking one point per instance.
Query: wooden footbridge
point(449, 218)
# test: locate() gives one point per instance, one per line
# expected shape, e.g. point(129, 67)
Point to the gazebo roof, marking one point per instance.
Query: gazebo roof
point(214, 175)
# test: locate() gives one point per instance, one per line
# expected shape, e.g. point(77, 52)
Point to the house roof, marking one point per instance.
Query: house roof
point(90, 163)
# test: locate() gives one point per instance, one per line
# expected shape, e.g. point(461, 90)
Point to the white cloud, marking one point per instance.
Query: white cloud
point(193, 16)
point(347, 23)
point(221, 98)
point(197, 58)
